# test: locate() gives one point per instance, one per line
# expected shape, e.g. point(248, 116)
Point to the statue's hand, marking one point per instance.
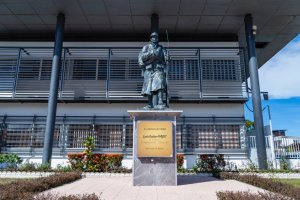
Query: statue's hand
point(152, 53)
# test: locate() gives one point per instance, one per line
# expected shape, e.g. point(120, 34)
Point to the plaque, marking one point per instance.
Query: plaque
point(155, 139)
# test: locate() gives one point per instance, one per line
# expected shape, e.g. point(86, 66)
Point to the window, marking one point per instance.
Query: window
point(213, 136)
point(117, 69)
point(84, 69)
point(102, 69)
point(35, 69)
point(29, 69)
point(46, 70)
point(183, 69)
point(125, 69)
point(7, 76)
point(217, 69)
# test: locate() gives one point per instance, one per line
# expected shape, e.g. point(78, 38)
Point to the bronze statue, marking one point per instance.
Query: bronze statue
point(153, 59)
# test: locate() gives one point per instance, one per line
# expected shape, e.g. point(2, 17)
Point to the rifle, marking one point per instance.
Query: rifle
point(167, 71)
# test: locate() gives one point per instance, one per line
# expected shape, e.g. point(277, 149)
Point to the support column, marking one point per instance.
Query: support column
point(3, 127)
point(154, 23)
point(256, 100)
point(53, 91)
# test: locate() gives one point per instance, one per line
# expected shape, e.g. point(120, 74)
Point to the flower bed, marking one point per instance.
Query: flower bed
point(96, 162)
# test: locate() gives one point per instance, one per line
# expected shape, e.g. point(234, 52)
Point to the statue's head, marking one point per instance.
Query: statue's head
point(154, 37)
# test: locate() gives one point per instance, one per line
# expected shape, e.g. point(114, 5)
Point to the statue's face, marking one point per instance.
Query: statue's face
point(154, 39)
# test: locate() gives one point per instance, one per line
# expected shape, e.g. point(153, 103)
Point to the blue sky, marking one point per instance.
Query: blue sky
point(280, 76)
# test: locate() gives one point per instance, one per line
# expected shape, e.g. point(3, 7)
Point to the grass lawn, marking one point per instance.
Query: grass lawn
point(294, 182)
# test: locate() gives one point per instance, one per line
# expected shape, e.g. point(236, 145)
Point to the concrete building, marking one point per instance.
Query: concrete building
point(214, 46)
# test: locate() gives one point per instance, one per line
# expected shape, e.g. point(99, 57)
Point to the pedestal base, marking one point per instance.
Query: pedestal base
point(153, 169)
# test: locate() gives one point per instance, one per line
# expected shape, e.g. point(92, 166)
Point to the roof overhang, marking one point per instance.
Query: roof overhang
point(278, 21)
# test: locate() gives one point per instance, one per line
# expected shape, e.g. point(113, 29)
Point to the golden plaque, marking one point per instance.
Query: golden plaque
point(155, 139)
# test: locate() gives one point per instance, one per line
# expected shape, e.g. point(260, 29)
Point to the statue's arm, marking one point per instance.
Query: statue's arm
point(146, 54)
point(140, 59)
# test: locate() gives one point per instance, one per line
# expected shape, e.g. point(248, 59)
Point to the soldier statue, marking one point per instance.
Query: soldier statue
point(153, 59)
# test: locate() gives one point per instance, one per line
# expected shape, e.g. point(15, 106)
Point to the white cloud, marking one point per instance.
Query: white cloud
point(280, 76)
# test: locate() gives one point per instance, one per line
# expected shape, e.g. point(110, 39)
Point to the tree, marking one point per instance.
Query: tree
point(249, 125)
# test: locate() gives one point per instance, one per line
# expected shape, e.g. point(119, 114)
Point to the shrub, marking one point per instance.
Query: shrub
point(9, 160)
point(61, 168)
point(25, 189)
point(27, 166)
point(32, 167)
point(265, 183)
point(229, 195)
point(96, 162)
point(90, 162)
point(76, 161)
point(50, 196)
point(212, 163)
point(180, 160)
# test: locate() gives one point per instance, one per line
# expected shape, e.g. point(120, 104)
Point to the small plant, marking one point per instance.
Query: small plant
point(251, 166)
point(284, 164)
point(62, 168)
point(43, 167)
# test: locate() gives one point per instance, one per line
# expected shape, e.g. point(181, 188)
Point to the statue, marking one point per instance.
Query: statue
point(154, 59)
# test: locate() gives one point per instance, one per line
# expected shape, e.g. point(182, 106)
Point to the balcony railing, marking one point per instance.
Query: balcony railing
point(25, 134)
point(195, 74)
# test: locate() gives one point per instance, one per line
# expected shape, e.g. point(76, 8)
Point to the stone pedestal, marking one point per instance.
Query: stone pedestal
point(154, 147)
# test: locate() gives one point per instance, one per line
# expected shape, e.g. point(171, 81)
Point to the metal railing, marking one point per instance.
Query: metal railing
point(251, 141)
point(114, 73)
point(115, 134)
point(284, 146)
point(287, 147)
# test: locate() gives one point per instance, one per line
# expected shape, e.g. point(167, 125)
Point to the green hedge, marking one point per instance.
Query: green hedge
point(229, 195)
point(265, 183)
point(26, 189)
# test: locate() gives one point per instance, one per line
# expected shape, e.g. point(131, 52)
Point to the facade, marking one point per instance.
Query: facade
point(99, 78)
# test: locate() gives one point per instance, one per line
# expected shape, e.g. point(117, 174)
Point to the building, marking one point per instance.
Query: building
point(213, 52)
point(278, 133)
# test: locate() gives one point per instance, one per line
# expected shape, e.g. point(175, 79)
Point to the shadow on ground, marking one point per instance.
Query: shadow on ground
point(190, 179)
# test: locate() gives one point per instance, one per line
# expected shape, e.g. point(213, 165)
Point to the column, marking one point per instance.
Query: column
point(53, 91)
point(256, 100)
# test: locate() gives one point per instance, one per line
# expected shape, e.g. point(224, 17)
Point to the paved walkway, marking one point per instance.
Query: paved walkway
point(120, 188)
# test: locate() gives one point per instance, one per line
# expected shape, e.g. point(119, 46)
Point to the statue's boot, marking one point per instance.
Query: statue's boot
point(161, 105)
point(150, 103)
